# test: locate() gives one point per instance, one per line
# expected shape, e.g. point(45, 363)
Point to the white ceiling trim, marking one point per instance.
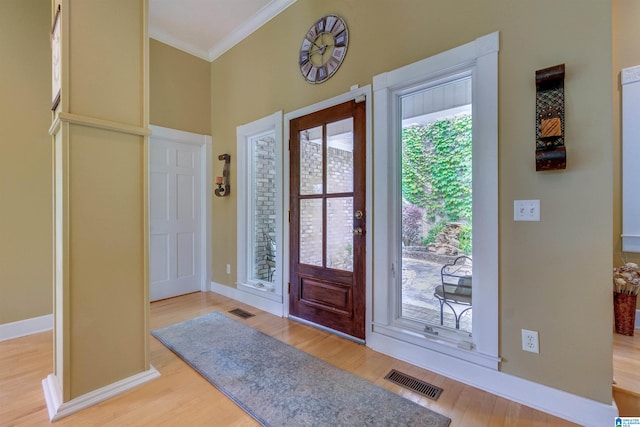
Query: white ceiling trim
point(162, 36)
point(263, 16)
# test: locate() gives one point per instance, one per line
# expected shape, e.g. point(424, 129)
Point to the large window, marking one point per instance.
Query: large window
point(259, 207)
point(436, 203)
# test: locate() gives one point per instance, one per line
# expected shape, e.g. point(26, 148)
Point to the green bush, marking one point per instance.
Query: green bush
point(436, 168)
point(437, 175)
point(465, 239)
point(433, 232)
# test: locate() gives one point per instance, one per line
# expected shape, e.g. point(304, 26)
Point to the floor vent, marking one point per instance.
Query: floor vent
point(414, 384)
point(241, 313)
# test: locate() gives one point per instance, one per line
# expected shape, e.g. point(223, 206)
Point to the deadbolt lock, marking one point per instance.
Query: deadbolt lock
point(358, 214)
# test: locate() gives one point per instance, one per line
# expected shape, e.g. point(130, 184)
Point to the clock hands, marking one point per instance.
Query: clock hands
point(315, 44)
point(320, 50)
point(319, 43)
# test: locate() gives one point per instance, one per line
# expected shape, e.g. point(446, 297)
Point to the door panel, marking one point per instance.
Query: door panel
point(174, 193)
point(327, 243)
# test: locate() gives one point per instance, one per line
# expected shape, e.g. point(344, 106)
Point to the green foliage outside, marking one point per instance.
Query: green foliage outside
point(465, 239)
point(436, 174)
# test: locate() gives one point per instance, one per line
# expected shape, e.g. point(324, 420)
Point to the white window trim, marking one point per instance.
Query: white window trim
point(244, 134)
point(480, 57)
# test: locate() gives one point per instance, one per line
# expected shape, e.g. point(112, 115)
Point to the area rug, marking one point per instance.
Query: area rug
point(279, 385)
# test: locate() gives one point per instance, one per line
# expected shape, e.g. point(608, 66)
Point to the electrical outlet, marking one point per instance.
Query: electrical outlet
point(228, 268)
point(530, 341)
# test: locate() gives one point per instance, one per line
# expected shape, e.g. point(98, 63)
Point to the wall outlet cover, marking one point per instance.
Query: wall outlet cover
point(530, 341)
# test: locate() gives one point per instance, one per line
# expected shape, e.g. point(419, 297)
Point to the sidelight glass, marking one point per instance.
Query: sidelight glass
point(263, 206)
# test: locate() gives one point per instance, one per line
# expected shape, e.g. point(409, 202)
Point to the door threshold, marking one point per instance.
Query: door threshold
point(324, 328)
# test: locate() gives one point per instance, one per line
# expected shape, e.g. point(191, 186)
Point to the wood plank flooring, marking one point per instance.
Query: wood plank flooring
point(626, 362)
point(626, 373)
point(182, 397)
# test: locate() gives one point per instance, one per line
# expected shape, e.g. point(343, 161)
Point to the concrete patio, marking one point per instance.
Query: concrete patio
point(419, 280)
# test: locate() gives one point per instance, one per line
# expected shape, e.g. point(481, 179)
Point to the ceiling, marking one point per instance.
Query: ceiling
point(208, 28)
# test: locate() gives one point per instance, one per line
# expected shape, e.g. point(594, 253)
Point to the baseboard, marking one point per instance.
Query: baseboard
point(25, 327)
point(58, 410)
point(580, 410)
point(265, 304)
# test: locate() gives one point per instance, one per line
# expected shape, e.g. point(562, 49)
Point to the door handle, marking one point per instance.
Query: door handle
point(357, 231)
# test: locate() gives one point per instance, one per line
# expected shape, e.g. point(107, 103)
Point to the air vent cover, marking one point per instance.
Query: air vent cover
point(414, 384)
point(241, 313)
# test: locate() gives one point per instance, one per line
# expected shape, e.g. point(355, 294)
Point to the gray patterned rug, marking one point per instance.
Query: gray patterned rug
point(280, 385)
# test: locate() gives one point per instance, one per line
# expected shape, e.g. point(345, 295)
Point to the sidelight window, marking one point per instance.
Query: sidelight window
point(259, 207)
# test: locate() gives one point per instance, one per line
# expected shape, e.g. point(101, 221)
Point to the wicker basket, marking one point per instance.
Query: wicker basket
point(624, 309)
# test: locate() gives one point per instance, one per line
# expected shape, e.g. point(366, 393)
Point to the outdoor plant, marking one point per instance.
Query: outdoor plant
point(436, 168)
point(436, 177)
point(433, 232)
point(465, 239)
point(411, 224)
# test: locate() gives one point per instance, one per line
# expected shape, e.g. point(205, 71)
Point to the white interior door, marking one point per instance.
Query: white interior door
point(175, 180)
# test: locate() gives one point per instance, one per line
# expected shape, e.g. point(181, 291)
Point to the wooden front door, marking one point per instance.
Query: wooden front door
point(328, 218)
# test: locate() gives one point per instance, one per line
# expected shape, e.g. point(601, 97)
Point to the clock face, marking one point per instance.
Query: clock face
point(323, 49)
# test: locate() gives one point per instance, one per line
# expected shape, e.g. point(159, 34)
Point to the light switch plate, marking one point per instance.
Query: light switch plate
point(526, 210)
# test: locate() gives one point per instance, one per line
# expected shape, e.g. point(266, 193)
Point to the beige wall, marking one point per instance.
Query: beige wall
point(555, 275)
point(26, 264)
point(180, 89)
point(180, 98)
point(101, 293)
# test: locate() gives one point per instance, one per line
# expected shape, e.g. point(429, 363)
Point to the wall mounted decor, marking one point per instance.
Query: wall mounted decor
point(223, 181)
point(323, 49)
point(550, 130)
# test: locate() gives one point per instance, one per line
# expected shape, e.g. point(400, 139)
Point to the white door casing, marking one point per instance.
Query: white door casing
point(178, 209)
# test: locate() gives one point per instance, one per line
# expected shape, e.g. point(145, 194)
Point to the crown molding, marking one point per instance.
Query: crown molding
point(248, 27)
point(163, 37)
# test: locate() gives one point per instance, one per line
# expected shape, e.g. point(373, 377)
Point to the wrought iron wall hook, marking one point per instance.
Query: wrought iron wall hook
point(223, 181)
point(550, 122)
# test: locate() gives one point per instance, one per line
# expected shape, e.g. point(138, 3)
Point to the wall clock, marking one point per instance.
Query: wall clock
point(323, 49)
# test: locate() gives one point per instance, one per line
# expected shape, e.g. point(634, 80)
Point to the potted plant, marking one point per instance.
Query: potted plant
point(626, 284)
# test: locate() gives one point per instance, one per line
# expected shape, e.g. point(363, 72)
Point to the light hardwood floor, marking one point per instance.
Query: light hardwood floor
point(626, 372)
point(181, 397)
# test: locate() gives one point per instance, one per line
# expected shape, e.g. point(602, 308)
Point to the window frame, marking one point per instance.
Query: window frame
point(245, 134)
point(478, 58)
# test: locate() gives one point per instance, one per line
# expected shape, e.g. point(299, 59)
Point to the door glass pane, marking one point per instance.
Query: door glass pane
point(311, 161)
point(340, 233)
point(311, 232)
point(263, 197)
point(436, 205)
point(340, 156)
